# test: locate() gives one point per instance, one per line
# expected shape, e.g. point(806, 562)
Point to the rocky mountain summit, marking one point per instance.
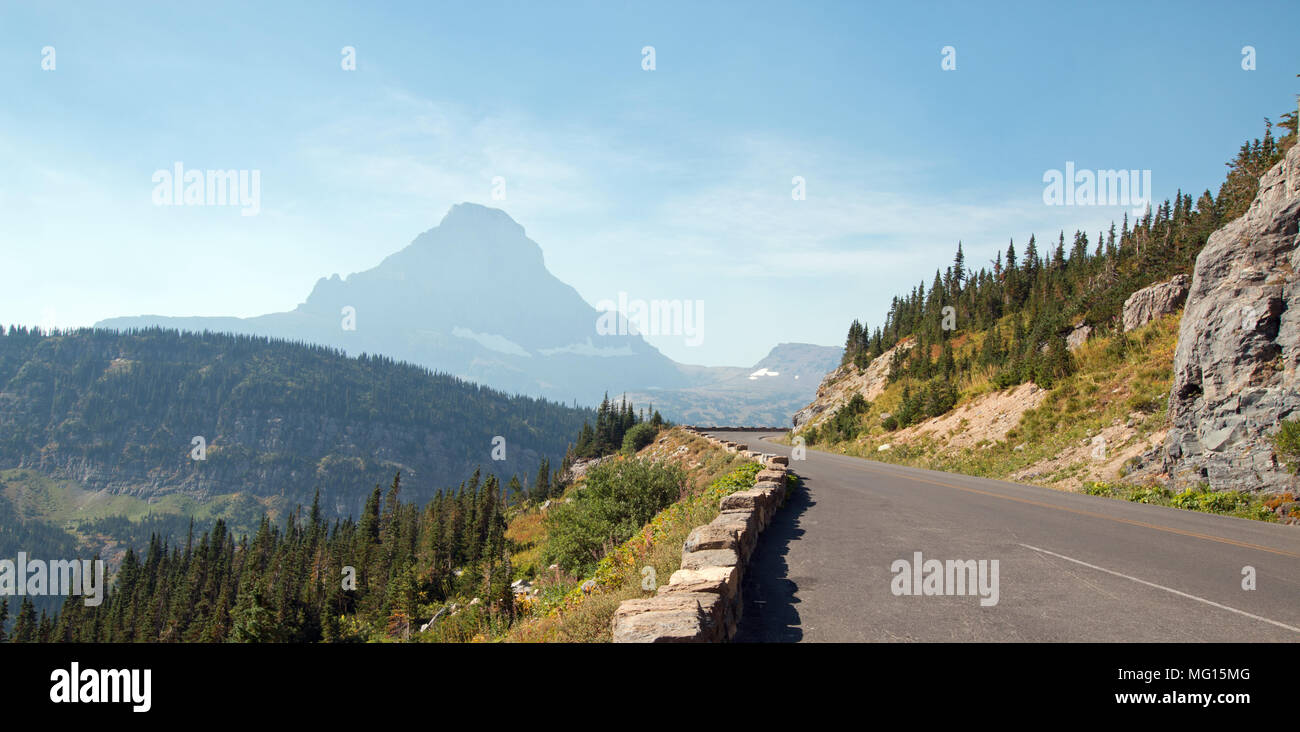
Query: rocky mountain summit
point(1239, 346)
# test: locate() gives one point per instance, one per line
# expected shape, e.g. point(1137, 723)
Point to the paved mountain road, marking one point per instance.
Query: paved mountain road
point(1072, 567)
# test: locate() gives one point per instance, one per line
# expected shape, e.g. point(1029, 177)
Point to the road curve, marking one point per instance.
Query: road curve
point(1071, 567)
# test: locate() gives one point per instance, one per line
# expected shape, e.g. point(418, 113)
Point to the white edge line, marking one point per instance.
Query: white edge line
point(1167, 589)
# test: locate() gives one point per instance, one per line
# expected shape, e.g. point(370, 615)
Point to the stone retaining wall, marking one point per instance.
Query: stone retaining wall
point(702, 430)
point(701, 602)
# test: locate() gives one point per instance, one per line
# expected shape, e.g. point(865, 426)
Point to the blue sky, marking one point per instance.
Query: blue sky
point(665, 184)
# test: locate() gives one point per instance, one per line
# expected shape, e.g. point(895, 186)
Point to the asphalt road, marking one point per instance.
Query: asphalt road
point(1071, 567)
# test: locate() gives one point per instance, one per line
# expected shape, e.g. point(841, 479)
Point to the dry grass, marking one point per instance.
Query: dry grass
point(1119, 390)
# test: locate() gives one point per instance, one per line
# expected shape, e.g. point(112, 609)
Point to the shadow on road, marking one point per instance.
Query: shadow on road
point(769, 598)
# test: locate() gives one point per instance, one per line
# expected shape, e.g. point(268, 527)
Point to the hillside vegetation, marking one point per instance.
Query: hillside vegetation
point(119, 413)
point(486, 561)
point(980, 378)
point(578, 605)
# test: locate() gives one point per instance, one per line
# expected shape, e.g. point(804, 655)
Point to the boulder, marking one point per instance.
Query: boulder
point(1077, 336)
point(761, 502)
point(1235, 367)
point(678, 617)
point(748, 499)
point(710, 558)
point(746, 523)
point(711, 536)
point(1159, 299)
point(724, 581)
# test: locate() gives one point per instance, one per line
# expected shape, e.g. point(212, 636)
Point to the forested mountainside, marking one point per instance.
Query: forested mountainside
point(160, 415)
point(1087, 331)
point(457, 566)
point(1008, 323)
point(306, 581)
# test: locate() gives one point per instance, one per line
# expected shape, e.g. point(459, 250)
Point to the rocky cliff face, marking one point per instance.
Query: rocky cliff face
point(1238, 346)
point(840, 385)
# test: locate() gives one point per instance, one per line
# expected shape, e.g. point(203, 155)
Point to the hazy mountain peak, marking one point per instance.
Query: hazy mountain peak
point(481, 218)
point(472, 297)
point(473, 240)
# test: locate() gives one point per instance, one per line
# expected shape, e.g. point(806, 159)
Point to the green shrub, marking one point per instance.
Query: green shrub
point(1287, 444)
point(1211, 501)
point(812, 435)
point(638, 437)
point(1150, 494)
point(618, 498)
point(845, 425)
point(1099, 489)
point(1200, 498)
point(933, 398)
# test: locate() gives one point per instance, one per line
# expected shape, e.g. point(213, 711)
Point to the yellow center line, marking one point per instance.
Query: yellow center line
point(1143, 524)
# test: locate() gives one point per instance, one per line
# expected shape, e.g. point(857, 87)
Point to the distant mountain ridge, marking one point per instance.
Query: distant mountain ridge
point(766, 394)
point(472, 297)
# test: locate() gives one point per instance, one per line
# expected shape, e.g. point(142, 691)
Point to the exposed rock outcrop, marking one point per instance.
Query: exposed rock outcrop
point(986, 419)
point(1078, 335)
point(840, 385)
point(1238, 345)
point(1159, 299)
point(582, 465)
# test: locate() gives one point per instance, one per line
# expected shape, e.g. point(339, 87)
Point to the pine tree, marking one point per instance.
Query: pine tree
point(542, 483)
point(959, 268)
point(25, 623)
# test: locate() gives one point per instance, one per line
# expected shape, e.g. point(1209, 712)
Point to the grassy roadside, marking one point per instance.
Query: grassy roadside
point(1083, 436)
point(634, 569)
point(562, 611)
